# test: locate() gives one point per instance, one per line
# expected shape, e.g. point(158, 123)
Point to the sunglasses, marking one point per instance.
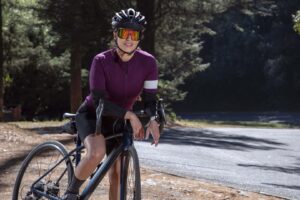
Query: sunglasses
point(124, 33)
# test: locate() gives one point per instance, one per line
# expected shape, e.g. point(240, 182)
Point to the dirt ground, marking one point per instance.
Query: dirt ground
point(16, 140)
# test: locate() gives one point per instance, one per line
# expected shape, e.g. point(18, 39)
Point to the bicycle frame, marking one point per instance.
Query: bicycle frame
point(125, 150)
point(105, 166)
point(127, 142)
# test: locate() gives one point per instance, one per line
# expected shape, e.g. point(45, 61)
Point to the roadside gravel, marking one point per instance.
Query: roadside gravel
point(17, 139)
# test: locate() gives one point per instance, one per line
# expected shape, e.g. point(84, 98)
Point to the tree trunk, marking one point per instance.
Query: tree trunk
point(146, 7)
point(76, 92)
point(1, 65)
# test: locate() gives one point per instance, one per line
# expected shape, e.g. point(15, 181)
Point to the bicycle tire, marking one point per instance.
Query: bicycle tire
point(131, 179)
point(41, 159)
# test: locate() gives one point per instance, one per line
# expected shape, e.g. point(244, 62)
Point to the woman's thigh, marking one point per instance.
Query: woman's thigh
point(86, 127)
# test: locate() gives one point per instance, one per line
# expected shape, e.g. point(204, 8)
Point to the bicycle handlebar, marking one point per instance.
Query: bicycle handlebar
point(70, 127)
point(69, 115)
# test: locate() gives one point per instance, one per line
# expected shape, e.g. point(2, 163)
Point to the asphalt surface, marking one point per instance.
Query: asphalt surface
point(287, 118)
point(259, 160)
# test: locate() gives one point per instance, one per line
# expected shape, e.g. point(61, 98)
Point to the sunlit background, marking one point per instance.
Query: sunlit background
point(213, 55)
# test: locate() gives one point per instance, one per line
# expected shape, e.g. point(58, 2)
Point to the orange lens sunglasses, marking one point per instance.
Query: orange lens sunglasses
point(124, 33)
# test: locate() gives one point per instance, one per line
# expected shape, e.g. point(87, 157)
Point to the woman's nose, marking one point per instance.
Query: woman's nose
point(129, 37)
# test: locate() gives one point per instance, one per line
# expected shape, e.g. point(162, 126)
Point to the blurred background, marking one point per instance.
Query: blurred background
point(213, 55)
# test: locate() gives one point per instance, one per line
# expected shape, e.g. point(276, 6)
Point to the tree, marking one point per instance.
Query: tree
point(1, 64)
point(178, 46)
point(81, 26)
point(254, 59)
point(171, 36)
point(75, 29)
point(147, 8)
point(296, 19)
point(32, 74)
point(66, 19)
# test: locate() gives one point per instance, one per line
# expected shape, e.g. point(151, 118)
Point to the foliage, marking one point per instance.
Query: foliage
point(254, 60)
point(33, 76)
point(88, 30)
point(177, 48)
point(296, 19)
point(249, 44)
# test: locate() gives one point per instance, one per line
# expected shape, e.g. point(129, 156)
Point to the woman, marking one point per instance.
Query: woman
point(117, 78)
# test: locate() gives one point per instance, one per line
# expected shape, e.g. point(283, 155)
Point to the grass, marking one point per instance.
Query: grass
point(37, 124)
point(252, 124)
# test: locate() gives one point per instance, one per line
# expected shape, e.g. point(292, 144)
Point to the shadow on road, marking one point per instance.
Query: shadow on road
point(218, 140)
point(289, 170)
point(46, 130)
point(292, 187)
point(18, 159)
point(201, 137)
point(287, 118)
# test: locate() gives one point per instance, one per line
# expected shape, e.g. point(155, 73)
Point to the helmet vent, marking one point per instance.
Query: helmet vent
point(131, 13)
point(124, 13)
point(129, 18)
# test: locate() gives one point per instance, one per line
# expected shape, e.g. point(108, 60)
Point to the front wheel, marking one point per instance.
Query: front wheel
point(130, 176)
point(38, 162)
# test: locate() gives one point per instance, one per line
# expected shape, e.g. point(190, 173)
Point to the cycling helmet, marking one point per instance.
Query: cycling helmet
point(129, 18)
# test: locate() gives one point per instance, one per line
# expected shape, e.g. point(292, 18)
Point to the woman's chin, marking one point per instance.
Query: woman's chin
point(128, 49)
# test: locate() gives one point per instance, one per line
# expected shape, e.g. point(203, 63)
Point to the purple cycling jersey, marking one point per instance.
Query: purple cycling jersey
point(121, 81)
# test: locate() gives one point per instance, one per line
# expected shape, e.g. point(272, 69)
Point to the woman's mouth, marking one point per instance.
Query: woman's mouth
point(128, 44)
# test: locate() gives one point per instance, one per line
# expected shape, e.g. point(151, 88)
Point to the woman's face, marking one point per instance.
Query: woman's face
point(126, 44)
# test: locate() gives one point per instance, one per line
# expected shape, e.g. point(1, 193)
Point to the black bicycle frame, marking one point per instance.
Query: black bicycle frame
point(100, 172)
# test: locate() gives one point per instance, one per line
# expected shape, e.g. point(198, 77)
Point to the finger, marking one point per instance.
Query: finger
point(157, 136)
point(156, 139)
point(147, 133)
point(142, 133)
point(136, 134)
point(155, 143)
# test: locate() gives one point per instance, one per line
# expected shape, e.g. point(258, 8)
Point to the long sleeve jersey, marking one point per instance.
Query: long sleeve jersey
point(120, 83)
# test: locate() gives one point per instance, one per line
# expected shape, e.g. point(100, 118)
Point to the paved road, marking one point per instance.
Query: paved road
point(289, 118)
point(260, 160)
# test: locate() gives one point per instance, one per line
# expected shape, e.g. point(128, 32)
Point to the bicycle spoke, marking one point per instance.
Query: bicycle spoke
point(131, 176)
point(43, 158)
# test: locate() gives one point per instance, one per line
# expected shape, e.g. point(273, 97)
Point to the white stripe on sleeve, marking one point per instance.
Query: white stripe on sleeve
point(150, 84)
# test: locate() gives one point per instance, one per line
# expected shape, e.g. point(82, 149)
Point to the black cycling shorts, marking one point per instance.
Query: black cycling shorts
point(86, 125)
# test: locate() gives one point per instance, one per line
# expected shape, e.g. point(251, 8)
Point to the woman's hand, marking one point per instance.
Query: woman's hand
point(153, 129)
point(138, 130)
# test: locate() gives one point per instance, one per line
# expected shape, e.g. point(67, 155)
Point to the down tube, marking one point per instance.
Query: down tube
point(93, 183)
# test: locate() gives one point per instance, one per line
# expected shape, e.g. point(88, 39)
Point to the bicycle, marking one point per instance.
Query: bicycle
point(53, 167)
